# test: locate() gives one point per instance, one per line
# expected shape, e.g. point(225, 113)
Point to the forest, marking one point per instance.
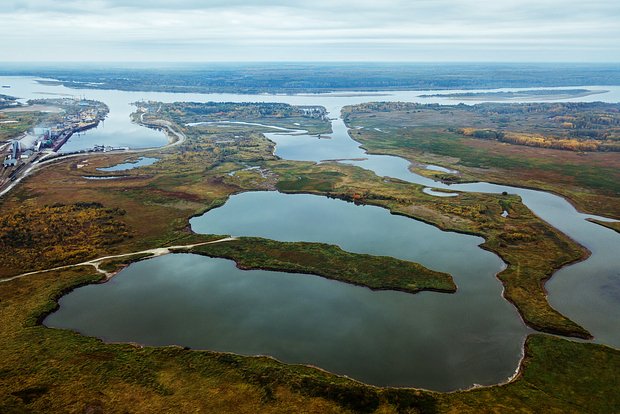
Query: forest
point(236, 110)
point(290, 77)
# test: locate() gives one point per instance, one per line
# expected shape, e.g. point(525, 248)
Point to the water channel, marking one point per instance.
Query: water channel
point(437, 341)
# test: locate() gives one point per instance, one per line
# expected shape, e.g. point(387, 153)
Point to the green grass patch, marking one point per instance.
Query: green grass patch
point(13, 124)
point(557, 376)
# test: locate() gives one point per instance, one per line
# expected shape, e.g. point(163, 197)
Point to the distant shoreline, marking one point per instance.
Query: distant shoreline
point(538, 94)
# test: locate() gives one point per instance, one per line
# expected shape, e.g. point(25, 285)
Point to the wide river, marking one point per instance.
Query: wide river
point(430, 340)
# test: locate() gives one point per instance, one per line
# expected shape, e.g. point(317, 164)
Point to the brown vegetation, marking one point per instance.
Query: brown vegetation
point(40, 238)
point(537, 140)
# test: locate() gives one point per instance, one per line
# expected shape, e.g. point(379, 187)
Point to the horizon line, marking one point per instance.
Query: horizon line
point(391, 62)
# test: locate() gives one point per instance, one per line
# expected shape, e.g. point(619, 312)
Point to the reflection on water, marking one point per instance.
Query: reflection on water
point(384, 338)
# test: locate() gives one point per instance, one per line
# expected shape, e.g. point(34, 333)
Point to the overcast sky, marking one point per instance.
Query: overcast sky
point(312, 30)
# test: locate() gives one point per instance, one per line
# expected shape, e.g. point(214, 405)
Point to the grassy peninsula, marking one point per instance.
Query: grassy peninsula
point(615, 226)
point(375, 272)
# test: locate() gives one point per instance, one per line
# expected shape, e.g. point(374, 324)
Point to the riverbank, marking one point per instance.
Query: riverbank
point(615, 226)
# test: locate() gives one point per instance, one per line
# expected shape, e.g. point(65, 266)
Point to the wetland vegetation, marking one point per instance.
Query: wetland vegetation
point(13, 124)
point(54, 370)
point(56, 235)
point(473, 140)
point(375, 272)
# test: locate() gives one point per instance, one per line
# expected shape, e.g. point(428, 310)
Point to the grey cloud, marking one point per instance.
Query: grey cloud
point(323, 29)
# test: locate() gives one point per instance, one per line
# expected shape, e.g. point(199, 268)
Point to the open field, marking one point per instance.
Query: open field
point(13, 124)
point(583, 126)
point(590, 180)
point(56, 235)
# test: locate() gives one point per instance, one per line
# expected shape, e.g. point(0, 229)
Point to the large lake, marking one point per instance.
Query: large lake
point(399, 339)
point(587, 292)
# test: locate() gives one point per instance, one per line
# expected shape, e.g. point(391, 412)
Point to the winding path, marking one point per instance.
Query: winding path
point(96, 263)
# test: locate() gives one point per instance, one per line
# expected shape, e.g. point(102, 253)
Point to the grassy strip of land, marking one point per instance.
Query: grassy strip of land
point(542, 94)
point(375, 272)
point(312, 119)
point(615, 226)
point(52, 370)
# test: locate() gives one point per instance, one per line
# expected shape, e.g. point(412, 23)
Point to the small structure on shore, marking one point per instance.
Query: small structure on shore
point(11, 159)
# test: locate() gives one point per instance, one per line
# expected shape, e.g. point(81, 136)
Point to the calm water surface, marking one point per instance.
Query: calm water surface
point(126, 166)
point(386, 338)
